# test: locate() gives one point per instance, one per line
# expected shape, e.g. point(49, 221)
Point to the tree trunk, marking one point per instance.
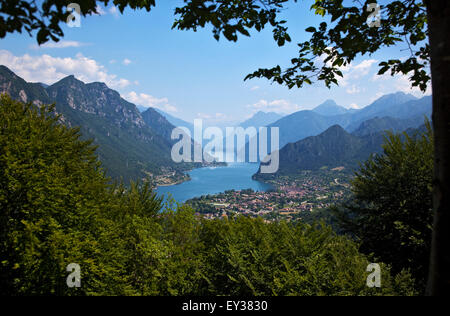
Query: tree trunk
point(439, 34)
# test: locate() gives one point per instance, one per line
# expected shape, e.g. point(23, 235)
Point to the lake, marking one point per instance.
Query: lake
point(213, 180)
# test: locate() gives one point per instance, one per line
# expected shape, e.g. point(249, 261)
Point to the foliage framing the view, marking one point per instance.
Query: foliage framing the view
point(391, 212)
point(332, 45)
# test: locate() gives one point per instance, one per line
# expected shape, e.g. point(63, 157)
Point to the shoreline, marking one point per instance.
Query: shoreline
point(186, 176)
point(175, 182)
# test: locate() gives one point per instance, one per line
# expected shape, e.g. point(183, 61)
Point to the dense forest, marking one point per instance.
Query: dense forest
point(58, 208)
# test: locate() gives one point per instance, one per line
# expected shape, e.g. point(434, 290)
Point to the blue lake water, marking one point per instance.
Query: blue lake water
point(213, 180)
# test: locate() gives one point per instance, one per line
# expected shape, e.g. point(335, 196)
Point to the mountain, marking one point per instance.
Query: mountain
point(129, 148)
point(261, 119)
point(21, 90)
point(330, 108)
point(412, 108)
point(398, 105)
point(336, 147)
point(333, 148)
point(384, 104)
point(175, 121)
point(387, 123)
point(294, 127)
point(141, 108)
point(158, 122)
point(96, 99)
point(305, 123)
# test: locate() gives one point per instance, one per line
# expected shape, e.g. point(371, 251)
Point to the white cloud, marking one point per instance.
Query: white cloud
point(377, 77)
point(399, 82)
point(354, 72)
point(215, 118)
point(114, 11)
point(351, 72)
point(279, 106)
point(354, 106)
point(353, 89)
point(204, 116)
point(49, 69)
point(126, 62)
point(220, 116)
point(148, 100)
point(363, 68)
point(254, 88)
point(113, 61)
point(100, 10)
point(376, 97)
point(402, 83)
point(60, 44)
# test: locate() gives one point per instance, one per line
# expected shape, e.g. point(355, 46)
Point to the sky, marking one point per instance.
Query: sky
point(189, 74)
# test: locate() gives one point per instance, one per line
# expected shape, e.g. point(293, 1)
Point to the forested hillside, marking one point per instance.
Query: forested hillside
point(130, 147)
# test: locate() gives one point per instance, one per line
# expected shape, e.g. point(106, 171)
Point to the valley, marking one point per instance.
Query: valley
point(134, 142)
point(131, 145)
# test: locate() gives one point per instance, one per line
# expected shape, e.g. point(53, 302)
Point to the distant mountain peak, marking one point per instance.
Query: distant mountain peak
point(175, 121)
point(335, 128)
point(259, 113)
point(329, 108)
point(261, 118)
point(401, 93)
point(100, 85)
point(334, 132)
point(265, 113)
point(328, 102)
point(333, 148)
point(397, 96)
point(386, 102)
point(6, 69)
point(70, 79)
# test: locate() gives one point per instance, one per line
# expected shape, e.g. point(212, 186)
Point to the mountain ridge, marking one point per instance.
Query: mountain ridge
point(330, 108)
point(333, 148)
point(260, 119)
point(129, 147)
point(305, 123)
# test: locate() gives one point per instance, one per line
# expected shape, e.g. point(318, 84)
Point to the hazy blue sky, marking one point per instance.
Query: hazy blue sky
point(190, 74)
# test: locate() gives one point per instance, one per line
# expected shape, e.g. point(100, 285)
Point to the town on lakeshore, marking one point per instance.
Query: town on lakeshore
point(291, 198)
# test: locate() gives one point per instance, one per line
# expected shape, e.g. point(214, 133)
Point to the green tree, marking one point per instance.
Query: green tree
point(246, 256)
point(391, 211)
point(51, 191)
point(57, 208)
